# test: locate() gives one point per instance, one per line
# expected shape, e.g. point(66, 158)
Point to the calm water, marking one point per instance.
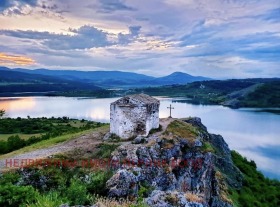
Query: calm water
point(255, 135)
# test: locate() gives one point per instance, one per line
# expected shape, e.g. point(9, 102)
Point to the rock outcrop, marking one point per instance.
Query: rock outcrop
point(183, 165)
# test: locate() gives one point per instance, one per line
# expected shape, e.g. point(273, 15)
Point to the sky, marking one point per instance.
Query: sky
point(213, 38)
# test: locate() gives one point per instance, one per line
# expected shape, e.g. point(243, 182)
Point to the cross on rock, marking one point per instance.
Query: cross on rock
point(170, 107)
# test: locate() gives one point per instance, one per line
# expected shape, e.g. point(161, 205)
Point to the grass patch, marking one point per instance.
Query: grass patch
point(193, 197)
point(182, 129)
point(105, 150)
point(152, 131)
point(167, 143)
point(114, 138)
point(207, 147)
point(224, 195)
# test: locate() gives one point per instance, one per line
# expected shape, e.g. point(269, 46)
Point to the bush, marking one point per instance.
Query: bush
point(9, 178)
point(14, 143)
point(15, 196)
point(77, 193)
point(97, 182)
point(51, 199)
point(3, 147)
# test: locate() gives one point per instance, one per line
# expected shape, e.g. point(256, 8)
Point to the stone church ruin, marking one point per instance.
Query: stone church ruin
point(134, 115)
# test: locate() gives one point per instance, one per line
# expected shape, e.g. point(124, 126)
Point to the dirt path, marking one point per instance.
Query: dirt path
point(86, 142)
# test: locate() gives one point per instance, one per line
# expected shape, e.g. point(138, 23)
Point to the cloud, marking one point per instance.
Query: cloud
point(218, 40)
point(107, 6)
point(85, 37)
point(6, 59)
point(221, 38)
point(134, 32)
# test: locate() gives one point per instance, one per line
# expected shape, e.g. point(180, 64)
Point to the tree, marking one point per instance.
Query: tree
point(14, 143)
point(2, 113)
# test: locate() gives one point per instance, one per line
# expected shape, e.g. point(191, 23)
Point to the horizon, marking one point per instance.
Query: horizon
point(220, 40)
point(75, 70)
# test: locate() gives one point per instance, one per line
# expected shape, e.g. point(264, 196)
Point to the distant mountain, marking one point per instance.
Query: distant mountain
point(101, 78)
point(104, 79)
point(4, 68)
point(109, 79)
point(178, 78)
point(10, 76)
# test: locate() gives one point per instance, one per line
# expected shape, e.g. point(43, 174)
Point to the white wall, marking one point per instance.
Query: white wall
point(124, 120)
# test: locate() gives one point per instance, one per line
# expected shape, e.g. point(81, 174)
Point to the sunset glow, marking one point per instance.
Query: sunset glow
point(7, 59)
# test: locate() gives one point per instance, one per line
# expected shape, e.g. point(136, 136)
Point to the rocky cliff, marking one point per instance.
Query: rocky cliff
point(181, 165)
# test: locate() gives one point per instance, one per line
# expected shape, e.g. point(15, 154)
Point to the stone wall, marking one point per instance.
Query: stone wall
point(134, 119)
point(152, 117)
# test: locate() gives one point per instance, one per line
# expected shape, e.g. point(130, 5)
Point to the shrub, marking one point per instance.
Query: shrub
point(97, 182)
point(144, 191)
point(15, 196)
point(51, 199)
point(77, 193)
point(14, 143)
point(207, 147)
point(3, 147)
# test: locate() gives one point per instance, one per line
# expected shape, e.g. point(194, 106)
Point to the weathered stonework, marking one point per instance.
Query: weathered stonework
point(134, 115)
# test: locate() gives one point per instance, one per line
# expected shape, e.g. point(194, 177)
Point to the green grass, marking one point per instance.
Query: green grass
point(159, 129)
point(207, 147)
point(182, 129)
point(51, 142)
point(105, 150)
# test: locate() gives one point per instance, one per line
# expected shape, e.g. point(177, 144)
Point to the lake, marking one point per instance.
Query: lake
point(253, 133)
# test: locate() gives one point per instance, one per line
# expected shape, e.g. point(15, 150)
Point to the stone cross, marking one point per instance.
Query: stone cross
point(170, 111)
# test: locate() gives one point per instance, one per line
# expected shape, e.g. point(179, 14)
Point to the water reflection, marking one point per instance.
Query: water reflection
point(17, 104)
point(253, 134)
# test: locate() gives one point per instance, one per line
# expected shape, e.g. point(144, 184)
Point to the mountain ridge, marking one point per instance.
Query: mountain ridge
point(108, 79)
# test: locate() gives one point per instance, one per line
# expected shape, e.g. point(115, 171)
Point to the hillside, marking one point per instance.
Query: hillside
point(267, 94)
point(101, 78)
point(233, 93)
point(12, 82)
point(180, 164)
